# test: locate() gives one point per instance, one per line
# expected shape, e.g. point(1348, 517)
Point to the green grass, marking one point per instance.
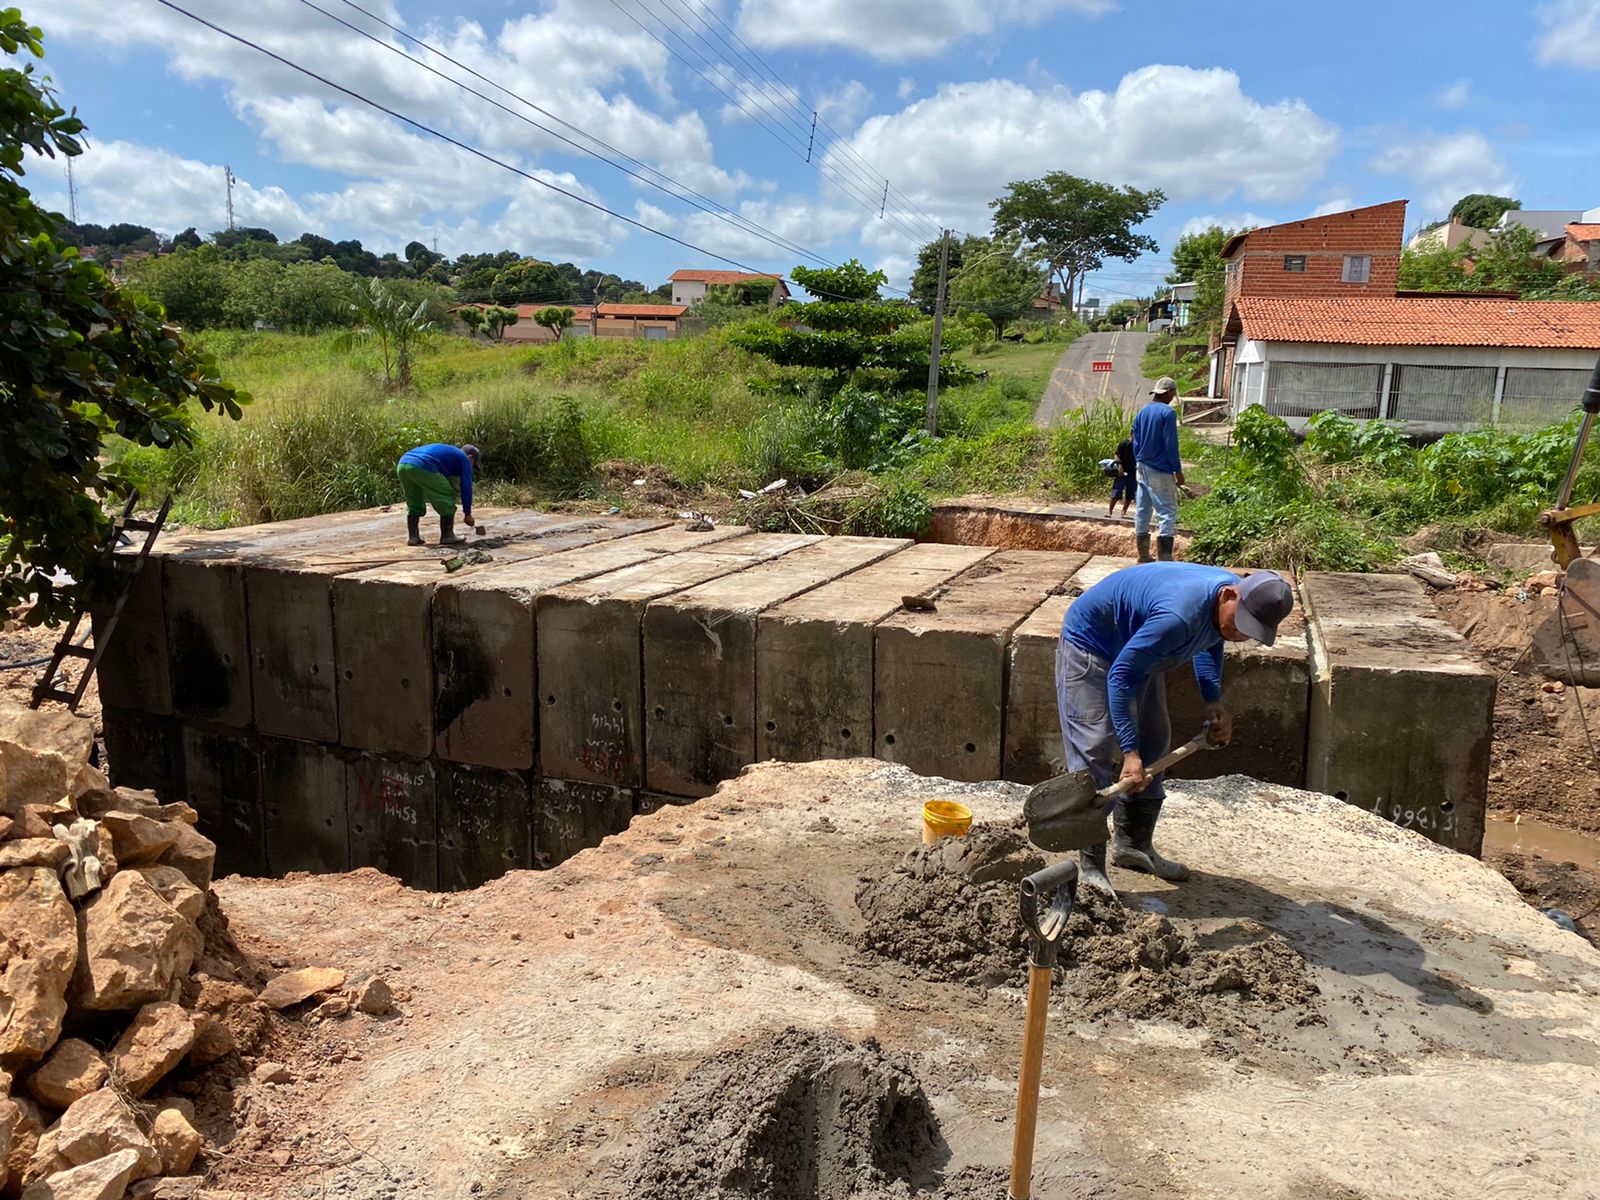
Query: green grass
point(1192, 371)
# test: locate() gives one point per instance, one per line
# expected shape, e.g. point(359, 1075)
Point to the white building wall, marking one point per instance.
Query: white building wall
point(687, 292)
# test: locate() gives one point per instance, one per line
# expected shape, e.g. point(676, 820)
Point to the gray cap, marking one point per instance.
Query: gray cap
point(1165, 384)
point(1264, 600)
point(472, 452)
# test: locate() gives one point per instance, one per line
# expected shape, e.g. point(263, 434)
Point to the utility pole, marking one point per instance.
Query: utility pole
point(72, 195)
point(938, 333)
point(227, 176)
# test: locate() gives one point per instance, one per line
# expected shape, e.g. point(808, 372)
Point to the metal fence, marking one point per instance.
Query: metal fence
point(1536, 396)
point(1304, 389)
point(1458, 396)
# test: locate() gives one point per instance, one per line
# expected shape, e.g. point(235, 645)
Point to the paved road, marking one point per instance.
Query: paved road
point(1075, 384)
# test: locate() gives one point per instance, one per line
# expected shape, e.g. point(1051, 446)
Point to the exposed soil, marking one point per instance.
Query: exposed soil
point(949, 912)
point(19, 643)
point(982, 526)
point(1573, 889)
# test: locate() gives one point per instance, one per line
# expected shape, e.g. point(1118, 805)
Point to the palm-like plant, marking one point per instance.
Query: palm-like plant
point(390, 321)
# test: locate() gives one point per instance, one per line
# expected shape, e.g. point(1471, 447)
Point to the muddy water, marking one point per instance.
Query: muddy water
point(1530, 836)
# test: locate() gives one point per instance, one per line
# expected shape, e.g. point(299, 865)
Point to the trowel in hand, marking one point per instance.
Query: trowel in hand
point(1067, 812)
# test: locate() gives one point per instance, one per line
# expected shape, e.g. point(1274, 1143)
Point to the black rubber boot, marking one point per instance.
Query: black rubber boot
point(1143, 539)
point(413, 531)
point(447, 532)
point(1132, 843)
point(1164, 548)
point(1092, 870)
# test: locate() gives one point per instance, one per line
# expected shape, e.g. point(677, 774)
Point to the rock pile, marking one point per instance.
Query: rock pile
point(117, 976)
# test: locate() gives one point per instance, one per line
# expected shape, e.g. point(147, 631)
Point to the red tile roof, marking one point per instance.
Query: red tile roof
point(643, 310)
point(1431, 321)
point(716, 278)
point(1583, 233)
point(580, 312)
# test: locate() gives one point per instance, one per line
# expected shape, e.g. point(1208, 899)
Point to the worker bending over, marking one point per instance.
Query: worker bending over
point(425, 478)
point(1118, 640)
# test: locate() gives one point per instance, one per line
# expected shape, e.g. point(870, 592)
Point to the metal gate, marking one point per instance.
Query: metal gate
point(1304, 389)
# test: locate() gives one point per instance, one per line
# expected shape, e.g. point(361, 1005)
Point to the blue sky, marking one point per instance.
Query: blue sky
point(1242, 113)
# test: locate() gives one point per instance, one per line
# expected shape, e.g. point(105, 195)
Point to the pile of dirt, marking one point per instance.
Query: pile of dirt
point(125, 1004)
point(796, 1115)
point(971, 523)
point(949, 911)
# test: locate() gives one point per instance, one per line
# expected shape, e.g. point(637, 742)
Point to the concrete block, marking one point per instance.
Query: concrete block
point(208, 639)
point(1402, 710)
point(939, 678)
point(1267, 689)
point(133, 670)
point(303, 793)
point(814, 653)
point(1097, 568)
point(569, 817)
point(394, 819)
point(483, 648)
point(222, 781)
point(700, 662)
point(1033, 749)
point(143, 751)
point(292, 675)
point(591, 660)
point(485, 824)
point(383, 642)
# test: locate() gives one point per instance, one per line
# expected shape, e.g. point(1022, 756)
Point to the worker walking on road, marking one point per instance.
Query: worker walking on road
point(425, 478)
point(1155, 447)
point(1118, 641)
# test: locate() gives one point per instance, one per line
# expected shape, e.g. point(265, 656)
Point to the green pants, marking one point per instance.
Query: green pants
point(423, 487)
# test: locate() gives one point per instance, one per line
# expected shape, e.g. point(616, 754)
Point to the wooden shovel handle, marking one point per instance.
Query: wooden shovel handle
point(1198, 742)
point(1028, 1083)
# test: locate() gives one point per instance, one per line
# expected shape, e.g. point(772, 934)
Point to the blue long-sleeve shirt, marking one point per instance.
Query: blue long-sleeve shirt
point(1155, 437)
point(1146, 619)
point(449, 461)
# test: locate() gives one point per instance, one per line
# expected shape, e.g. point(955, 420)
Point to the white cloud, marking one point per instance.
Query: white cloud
point(1328, 207)
point(799, 219)
point(845, 105)
point(907, 88)
point(1192, 133)
point(1233, 220)
point(1455, 95)
point(1571, 36)
point(893, 30)
point(1443, 168)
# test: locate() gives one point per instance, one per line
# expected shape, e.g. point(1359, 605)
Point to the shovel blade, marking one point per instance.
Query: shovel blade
point(1065, 813)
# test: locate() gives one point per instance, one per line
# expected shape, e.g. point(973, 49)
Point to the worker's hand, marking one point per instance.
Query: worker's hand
point(1178, 475)
point(467, 517)
point(1221, 731)
point(1133, 769)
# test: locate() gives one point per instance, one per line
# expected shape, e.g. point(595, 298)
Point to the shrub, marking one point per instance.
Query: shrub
point(1084, 437)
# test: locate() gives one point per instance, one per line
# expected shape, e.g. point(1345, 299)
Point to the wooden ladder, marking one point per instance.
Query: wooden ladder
point(125, 568)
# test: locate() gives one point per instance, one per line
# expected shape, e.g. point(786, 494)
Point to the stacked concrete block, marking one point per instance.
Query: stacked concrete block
point(700, 662)
point(1033, 749)
point(591, 655)
point(569, 817)
point(1402, 710)
point(939, 694)
point(814, 654)
point(392, 808)
point(485, 824)
point(304, 811)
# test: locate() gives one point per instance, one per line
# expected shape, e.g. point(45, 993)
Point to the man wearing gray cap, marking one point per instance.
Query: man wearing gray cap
point(1118, 641)
point(1155, 449)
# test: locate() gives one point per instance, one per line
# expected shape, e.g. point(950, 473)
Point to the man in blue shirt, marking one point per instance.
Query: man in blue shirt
point(1118, 641)
point(425, 478)
point(1155, 448)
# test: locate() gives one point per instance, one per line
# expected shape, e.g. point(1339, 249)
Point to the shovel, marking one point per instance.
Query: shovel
point(1055, 886)
point(1066, 812)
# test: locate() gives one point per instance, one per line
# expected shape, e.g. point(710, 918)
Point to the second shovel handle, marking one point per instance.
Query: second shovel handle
point(1195, 744)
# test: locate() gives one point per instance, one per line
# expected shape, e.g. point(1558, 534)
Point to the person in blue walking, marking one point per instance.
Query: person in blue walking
point(1155, 449)
point(1118, 641)
point(425, 478)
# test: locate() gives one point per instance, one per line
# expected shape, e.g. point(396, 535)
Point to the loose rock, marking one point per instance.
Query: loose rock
point(73, 1070)
point(192, 853)
point(26, 1123)
point(176, 889)
point(212, 1040)
point(104, 1179)
point(135, 946)
point(33, 852)
point(175, 1140)
point(38, 947)
point(159, 1038)
point(136, 838)
point(100, 1124)
point(271, 1072)
point(374, 997)
point(296, 987)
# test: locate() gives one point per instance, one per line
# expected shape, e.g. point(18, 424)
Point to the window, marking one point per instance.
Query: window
point(1294, 262)
point(1357, 267)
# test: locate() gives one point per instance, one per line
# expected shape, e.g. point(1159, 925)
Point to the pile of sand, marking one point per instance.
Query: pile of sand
point(949, 912)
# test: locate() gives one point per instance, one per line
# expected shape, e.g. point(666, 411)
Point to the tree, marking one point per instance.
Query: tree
point(1505, 264)
point(190, 285)
point(384, 317)
point(1197, 259)
point(80, 359)
point(1123, 311)
point(1481, 210)
point(1076, 224)
point(471, 316)
point(497, 320)
point(187, 240)
point(998, 279)
point(556, 320)
point(530, 282)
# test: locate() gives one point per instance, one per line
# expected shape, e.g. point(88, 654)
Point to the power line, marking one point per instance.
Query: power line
point(706, 204)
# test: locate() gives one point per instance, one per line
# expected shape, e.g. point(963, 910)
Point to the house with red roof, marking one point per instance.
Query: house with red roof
point(1314, 323)
point(652, 322)
point(690, 286)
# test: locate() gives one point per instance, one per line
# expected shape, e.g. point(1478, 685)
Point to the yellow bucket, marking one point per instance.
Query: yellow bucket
point(944, 818)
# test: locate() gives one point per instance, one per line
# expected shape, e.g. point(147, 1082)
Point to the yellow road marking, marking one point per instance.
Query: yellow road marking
point(1111, 356)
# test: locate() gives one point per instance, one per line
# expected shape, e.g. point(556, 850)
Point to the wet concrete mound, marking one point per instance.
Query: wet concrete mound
point(796, 1115)
point(949, 912)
